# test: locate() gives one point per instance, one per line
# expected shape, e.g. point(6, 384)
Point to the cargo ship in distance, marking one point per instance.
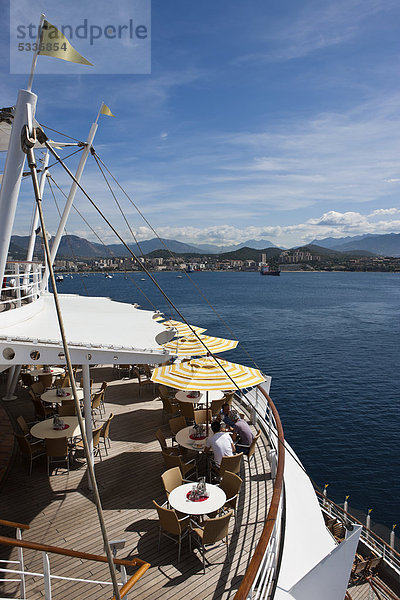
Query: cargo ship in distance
point(266, 270)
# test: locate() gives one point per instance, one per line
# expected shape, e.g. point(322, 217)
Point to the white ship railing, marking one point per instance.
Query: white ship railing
point(369, 538)
point(19, 573)
point(21, 284)
point(260, 579)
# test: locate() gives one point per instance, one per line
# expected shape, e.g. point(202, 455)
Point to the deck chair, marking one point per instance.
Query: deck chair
point(96, 443)
point(175, 425)
point(228, 463)
point(46, 380)
point(202, 416)
point(29, 449)
point(57, 450)
point(251, 447)
point(187, 411)
point(171, 479)
point(26, 431)
point(170, 525)
point(67, 410)
point(216, 406)
point(105, 433)
point(37, 388)
point(214, 530)
point(231, 484)
point(163, 443)
point(41, 411)
point(27, 379)
point(169, 408)
point(172, 460)
point(96, 404)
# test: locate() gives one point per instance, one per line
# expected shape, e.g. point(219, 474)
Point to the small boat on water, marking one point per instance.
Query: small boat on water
point(59, 278)
point(266, 270)
point(108, 276)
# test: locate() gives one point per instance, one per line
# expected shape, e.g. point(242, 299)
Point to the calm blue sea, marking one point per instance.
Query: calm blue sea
point(330, 341)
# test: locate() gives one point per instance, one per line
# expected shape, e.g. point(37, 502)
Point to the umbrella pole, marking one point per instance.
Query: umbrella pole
point(207, 413)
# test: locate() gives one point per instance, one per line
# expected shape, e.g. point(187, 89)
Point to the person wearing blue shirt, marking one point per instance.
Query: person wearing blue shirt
point(226, 416)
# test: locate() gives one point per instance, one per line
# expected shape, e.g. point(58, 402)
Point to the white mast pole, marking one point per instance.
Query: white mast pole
point(32, 239)
point(13, 170)
point(70, 199)
point(36, 53)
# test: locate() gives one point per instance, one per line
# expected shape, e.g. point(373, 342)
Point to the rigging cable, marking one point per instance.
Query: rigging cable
point(216, 358)
point(102, 242)
point(201, 293)
point(28, 143)
point(67, 236)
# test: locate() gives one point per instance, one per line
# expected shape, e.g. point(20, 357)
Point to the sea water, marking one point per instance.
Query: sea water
point(330, 341)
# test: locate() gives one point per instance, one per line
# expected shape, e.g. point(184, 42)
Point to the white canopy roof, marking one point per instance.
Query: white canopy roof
point(97, 329)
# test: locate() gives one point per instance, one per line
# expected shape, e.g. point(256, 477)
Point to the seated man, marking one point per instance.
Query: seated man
point(242, 434)
point(225, 415)
point(220, 443)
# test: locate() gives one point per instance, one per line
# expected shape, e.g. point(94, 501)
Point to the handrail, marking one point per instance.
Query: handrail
point(258, 555)
point(65, 552)
point(12, 524)
point(134, 562)
point(350, 516)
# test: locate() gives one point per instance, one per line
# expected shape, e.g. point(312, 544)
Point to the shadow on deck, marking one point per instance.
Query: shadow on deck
point(60, 510)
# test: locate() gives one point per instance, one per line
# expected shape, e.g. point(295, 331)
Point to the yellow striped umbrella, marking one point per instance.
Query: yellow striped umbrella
point(207, 373)
point(191, 346)
point(182, 328)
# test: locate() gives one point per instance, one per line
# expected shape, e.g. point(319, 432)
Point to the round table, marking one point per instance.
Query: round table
point(51, 395)
point(45, 429)
point(212, 395)
point(53, 371)
point(183, 439)
point(180, 502)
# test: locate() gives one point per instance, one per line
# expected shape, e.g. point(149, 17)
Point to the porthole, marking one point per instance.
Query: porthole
point(88, 357)
point(35, 355)
point(8, 353)
point(61, 355)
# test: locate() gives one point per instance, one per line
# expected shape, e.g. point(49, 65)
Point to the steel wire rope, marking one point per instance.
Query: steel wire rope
point(199, 290)
point(217, 359)
point(102, 242)
point(68, 240)
point(68, 156)
point(119, 205)
point(60, 133)
point(164, 294)
point(107, 548)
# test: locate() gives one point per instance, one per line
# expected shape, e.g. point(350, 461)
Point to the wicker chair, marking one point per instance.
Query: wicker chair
point(228, 463)
point(231, 485)
point(105, 433)
point(202, 416)
point(30, 450)
point(57, 451)
point(171, 461)
point(214, 530)
point(163, 443)
point(171, 479)
point(170, 525)
point(175, 425)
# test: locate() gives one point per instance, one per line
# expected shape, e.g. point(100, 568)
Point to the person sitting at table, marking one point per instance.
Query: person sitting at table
point(242, 434)
point(225, 415)
point(220, 443)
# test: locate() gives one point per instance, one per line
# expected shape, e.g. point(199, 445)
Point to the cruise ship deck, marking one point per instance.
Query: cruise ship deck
point(60, 511)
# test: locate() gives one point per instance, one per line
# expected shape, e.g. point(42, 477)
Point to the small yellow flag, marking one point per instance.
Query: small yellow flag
point(54, 43)
point(105, 110)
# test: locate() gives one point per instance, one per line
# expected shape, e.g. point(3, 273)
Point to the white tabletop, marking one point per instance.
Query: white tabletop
point(45, 429)
point(39, 372)
point(212, 395)
point(183, 439)
point(51, 395)
point(178, 500)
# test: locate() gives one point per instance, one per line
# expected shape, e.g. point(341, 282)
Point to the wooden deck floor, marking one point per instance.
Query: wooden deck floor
point(60, 510)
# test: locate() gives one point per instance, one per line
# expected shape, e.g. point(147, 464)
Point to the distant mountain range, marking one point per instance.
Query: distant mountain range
point(77, 247)
point(387, 244)
point(72, 245)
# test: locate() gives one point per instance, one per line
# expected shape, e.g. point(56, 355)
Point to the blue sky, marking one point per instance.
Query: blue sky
point(274, 120)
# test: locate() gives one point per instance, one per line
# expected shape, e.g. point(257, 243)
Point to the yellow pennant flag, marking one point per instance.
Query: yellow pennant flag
point(105, 110)
point(54, 43)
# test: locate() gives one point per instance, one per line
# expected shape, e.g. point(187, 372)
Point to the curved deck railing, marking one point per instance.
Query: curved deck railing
point(45, 549)
point(260, 578)
point(21, 283)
